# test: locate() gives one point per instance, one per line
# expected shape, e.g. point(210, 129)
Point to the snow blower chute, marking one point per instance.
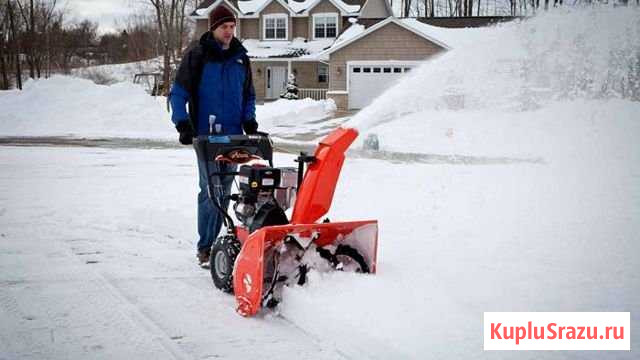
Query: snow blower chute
point(267, 251)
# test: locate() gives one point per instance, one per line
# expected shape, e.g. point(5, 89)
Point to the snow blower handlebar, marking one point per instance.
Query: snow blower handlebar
point(301, 160)
point(236, 148)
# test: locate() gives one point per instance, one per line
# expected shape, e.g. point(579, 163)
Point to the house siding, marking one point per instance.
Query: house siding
point(323, 7)
point(307, 75)
point(301, 27)
point(390, 42)
point(274, 8)
point(249, 29)
point(341, 100)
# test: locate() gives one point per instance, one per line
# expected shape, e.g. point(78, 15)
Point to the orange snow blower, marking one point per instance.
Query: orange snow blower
point(267, 251)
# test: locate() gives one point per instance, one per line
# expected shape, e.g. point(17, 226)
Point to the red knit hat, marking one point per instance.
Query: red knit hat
point(219, 16)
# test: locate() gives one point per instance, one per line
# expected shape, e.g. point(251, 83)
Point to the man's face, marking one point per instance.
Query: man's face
point(224, 33)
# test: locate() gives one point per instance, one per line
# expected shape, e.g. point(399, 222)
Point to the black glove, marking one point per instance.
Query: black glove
point(186, 132)
point(250, 127)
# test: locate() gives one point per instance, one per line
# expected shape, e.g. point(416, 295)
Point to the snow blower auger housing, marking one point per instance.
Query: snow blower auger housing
point(267, 251)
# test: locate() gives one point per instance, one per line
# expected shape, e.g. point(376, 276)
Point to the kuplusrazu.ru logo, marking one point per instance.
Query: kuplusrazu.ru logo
point(557, 331)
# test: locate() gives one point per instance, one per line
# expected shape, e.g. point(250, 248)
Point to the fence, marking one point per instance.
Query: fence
point(315, 94)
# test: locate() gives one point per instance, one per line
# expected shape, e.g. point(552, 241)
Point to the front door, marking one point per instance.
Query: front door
point(276, 81)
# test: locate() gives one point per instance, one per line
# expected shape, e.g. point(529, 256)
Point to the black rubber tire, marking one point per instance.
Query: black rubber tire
point(223, 256)
point(348, 251)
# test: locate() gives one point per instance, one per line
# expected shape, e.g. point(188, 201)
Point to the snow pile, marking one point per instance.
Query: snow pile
point(288, 118)
point(120, 72)
point(560, 66)
point(66, 106)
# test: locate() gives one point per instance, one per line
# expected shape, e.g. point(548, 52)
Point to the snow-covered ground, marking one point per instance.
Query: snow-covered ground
point(78, 108)
point(97, 245)
point(120, 72)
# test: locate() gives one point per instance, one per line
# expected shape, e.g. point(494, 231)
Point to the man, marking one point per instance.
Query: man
point(214, 78)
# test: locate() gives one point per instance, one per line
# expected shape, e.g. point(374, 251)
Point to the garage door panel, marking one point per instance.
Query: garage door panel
point(367, 82)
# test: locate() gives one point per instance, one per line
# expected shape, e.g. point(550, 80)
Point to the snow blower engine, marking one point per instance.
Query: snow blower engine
point(269, 250)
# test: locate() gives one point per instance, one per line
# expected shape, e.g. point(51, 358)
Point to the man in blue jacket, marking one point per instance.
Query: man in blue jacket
point(214, 78)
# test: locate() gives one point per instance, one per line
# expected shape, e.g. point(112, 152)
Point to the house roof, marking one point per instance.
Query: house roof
point(203, 10)
point(259, 5)
point(373, 9)
point(359, 34)
point(307, 5)
point(253, 7)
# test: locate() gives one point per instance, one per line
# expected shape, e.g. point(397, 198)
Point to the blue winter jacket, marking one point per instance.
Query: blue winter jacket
point(215, 82)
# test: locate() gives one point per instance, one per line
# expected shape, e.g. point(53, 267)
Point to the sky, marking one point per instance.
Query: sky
point(109, 14)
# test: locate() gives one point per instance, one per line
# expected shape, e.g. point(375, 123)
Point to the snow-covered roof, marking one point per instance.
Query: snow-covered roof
point(251, 6)
point(454, 37)
point(300, 6)
point(351, 32)
point(376, 9)
point(298, 48)
point(204, 10)
point(258, 5)
point(305, 6)
point(409, 25)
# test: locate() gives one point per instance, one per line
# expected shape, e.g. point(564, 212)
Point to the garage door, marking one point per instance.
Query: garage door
point(366, 82)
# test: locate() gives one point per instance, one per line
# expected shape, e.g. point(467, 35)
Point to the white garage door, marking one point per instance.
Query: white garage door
point(366, 82)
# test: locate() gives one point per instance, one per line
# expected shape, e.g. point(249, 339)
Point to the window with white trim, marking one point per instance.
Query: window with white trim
point(275, 27)
point(325, 25)
point(323, 73)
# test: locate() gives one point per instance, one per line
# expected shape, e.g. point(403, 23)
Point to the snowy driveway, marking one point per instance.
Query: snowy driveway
point(97, 259)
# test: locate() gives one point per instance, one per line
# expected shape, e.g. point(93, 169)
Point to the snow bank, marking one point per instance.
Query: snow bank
point(560, 66)
point(287, 118)
point(67, 106)
point(120, 72)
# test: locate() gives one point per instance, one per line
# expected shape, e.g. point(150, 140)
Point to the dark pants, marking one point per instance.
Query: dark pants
point(209, 217)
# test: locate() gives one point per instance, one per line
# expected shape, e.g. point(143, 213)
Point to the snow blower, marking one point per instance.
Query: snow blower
point(267, 250)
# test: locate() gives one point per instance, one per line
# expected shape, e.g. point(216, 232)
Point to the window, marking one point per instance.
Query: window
point(323, 73)
point(387, 70)
point(397, 70)
point(325, 26)
point(407, 69)
point(356, 69)
point(275, 27)
point(367, 69)
point(376, 70)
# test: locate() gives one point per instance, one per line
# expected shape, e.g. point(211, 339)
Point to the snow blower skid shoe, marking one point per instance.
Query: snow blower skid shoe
point(267, 251)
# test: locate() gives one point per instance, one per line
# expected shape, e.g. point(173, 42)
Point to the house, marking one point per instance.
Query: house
point(346, 50)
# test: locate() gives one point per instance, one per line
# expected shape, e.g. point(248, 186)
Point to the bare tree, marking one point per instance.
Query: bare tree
point(37, 19)
point(4, 33)
point(14, 43)
point(170, 16)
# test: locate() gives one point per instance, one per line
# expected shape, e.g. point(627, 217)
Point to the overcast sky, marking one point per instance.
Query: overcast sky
point(109, 14)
